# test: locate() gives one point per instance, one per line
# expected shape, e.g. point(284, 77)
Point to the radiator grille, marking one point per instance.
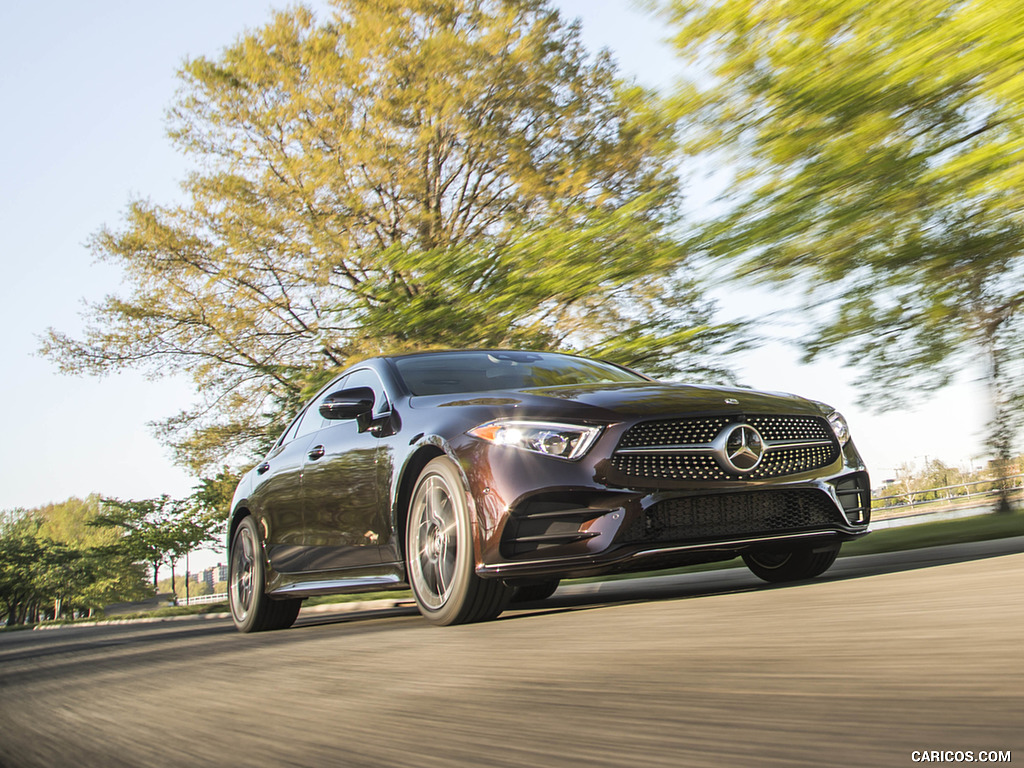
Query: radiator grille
point(669, 466)
point(673, 432)
point(791, 427)
point(698, 463)
point(790, 461)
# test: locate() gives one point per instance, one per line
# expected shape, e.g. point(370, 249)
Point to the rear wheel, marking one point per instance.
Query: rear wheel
point(777, 566)
point(439, 552)
point(251, 609)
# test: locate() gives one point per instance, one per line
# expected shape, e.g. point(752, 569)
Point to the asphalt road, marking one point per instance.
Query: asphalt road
point(883, 656)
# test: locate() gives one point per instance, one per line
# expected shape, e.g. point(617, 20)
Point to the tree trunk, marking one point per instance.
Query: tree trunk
point(1001, 432)
point(174, 588)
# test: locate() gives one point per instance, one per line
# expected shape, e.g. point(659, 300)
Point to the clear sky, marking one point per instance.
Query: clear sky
point(83, 88)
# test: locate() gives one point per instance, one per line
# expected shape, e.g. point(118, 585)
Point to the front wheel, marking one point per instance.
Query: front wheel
point(778, 566)
point(439, 552)
point(251, 609)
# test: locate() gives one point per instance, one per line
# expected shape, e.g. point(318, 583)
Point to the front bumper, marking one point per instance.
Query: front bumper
point(588, 529)
point(536, 516)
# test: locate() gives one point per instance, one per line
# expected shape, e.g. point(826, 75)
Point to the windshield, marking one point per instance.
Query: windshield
point(446, 373)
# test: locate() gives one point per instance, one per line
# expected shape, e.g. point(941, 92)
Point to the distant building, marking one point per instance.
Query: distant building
point(215, 575)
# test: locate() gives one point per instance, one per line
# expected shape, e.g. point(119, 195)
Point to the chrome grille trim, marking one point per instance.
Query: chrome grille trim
point(685, 449)
point(706, 447)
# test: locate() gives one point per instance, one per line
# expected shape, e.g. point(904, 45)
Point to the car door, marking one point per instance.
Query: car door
point(344, 522)
point(277, 492)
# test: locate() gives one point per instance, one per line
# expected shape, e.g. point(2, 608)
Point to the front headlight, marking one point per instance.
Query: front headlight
point(840, 427)
point(563, 441)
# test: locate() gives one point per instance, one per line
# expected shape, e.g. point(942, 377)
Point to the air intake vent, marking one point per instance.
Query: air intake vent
point(734, 515)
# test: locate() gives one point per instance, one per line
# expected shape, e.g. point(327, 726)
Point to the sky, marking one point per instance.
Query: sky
point(84, 89)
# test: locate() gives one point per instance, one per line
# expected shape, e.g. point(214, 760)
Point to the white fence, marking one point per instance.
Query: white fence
point(946, 495)
point(201, 599)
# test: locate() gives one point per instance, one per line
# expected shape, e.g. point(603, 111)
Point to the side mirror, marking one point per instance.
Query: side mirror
point(347, 404)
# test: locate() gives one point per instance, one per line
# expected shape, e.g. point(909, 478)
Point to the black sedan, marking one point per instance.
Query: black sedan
point(486, 476)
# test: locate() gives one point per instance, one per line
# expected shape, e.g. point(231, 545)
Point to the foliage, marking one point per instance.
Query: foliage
point(880, 157)
point(19, 552)
point(183, 589)
point(82, 554)
point(212, 495)
point(162, 530)
point(939, 533)
point(401, 175)
point(56, 559)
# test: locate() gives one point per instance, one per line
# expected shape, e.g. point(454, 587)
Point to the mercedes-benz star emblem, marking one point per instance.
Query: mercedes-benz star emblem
point(743, 447)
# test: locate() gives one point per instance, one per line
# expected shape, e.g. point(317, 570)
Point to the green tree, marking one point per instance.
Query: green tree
point(58, 557)
point(162, 530)
point(184, 589)
point(35, 571)
point(105, 573)
point(112, 577)
point(72, 522)
point(195, 525)
point(20, 551)
point(213, 495)
point(879, 148)
point(58, 574)
point(404, 174)
point(147, 529)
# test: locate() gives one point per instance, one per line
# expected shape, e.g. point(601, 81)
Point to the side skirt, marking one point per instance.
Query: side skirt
point(339, 582)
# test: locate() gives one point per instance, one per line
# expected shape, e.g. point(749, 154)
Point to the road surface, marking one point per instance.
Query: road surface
point(884, 656)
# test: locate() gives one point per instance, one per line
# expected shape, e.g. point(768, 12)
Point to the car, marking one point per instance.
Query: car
point(481, 477)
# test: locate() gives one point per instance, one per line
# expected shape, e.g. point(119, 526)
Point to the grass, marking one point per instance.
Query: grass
point(967, 529)
point(171, 610)
point(176, 610)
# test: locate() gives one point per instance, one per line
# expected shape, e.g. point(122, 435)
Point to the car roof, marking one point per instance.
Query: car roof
point(485, 350)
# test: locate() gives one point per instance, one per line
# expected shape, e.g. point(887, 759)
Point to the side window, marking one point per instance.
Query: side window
point(311, 420)
point(289, 434)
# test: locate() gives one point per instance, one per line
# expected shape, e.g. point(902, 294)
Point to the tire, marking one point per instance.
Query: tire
point(251, 609)
point(777, 566)
point(531, 593)
point(439, 552)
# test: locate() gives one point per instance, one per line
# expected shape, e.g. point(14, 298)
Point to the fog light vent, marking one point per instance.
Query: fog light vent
point(854, 493)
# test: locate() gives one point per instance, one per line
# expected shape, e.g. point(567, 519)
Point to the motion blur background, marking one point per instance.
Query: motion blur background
point(85, 89)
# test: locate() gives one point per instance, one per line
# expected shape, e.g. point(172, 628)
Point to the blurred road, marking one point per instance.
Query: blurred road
point(884, 655)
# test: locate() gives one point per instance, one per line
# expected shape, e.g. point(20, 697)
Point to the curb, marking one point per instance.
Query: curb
point(347, 607)
point(147, 620)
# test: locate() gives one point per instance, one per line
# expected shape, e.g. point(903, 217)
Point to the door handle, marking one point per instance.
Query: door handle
point(262, 468)
point(316, 452)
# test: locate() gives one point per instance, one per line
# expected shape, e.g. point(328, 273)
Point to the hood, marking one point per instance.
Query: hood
point(634, 399)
